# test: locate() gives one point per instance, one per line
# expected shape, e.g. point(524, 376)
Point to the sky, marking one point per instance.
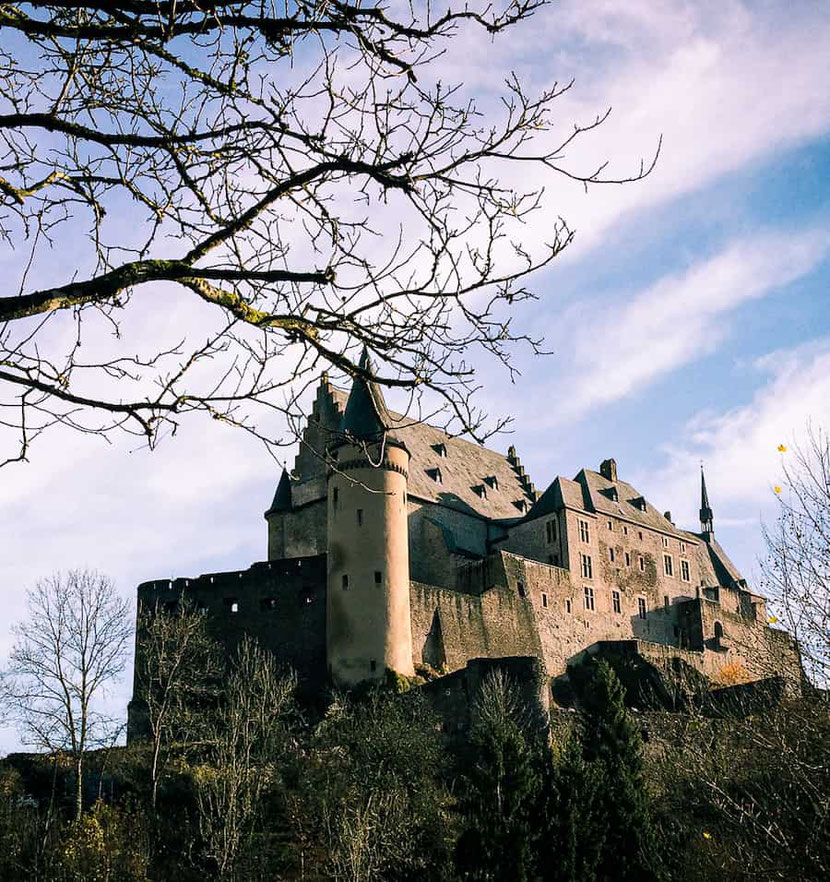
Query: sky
point(688, 321)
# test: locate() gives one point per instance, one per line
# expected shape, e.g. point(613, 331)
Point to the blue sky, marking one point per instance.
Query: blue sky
point(689, 320)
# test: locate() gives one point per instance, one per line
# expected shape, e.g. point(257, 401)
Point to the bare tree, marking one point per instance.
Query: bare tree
point(797, 569)
point(176, 667)
point(243, 743)
point(69, 648)
point(285, 183)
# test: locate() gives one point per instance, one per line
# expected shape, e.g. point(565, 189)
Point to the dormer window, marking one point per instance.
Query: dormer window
point(612, 494)
point(492, 481)
point(480, 490)
point(639, 502)
point(440, 449)
point(436, 475)
point(521, 504)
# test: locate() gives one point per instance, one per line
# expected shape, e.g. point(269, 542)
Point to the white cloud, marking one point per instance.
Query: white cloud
point(681, 317)
point(739, 446)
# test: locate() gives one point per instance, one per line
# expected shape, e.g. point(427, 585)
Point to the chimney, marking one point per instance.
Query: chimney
point(608, 470)
point(667, 516)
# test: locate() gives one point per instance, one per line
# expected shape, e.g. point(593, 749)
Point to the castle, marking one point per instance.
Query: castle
point(392, 545)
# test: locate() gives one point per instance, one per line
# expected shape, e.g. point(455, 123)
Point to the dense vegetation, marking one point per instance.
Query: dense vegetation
point(263, 785)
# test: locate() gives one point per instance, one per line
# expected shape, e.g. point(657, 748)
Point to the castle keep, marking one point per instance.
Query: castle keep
point(393, 545)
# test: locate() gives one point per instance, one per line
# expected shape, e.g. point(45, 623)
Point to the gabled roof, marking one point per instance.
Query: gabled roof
point(716, 567)
point(592, 492)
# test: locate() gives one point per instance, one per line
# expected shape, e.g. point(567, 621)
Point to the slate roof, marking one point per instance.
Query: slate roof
point(720, 569)
point(282, 498)
point(465, 467)
point(365, 415)
point(592, 492)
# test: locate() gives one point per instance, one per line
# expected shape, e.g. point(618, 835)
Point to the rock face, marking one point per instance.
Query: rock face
point(393, 545)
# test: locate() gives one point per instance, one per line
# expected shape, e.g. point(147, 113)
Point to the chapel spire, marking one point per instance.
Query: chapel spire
point(706, 516)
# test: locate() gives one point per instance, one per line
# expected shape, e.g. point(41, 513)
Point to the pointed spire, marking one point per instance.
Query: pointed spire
point(706, 516)
point(366, 416)
point(282, 498)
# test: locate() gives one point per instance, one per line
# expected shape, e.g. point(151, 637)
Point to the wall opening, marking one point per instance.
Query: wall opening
point(433, 652)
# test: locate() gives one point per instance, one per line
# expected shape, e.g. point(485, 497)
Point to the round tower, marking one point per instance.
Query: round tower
point(367, 603)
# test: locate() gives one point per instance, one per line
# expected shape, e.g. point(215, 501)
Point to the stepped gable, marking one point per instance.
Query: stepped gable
point(465, 467)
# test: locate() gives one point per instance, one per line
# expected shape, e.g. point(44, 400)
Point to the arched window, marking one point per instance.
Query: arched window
point(718, 633)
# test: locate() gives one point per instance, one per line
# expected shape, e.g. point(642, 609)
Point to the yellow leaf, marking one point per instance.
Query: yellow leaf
point(782, 448)
point(777, 489)
point(707, 835)
point(772, 620)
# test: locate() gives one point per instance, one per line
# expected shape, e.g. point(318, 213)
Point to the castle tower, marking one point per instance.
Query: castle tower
point(707, 527)
point(367, 608)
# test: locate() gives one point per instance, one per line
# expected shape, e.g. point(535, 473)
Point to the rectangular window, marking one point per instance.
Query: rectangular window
point(668, 566)
point(587, 571)
point(665, 542)
point(611, 525)
point(335, 497)
point(360, 517)
point(627, 559)
point(685, 573)
point(378, 577)
point(520, 586)
point(641, 607)
point(544, 600)
point(550, 529)
point(625, 530)
point(642, 564)
point(345, 582)
point(666, 602)
point(682, 547)
point(567, 606)
point(584, 532)
point(611, 555)
point(615, 602)
point(589, 597)
point(373, 665)
point(641, 535)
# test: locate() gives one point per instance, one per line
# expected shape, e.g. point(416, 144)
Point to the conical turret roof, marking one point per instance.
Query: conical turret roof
point(282, 498)
point(366, 416)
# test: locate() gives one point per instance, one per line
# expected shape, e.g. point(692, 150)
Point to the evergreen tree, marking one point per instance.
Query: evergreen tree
point(611, 742)
point(571, 818)
point(502, 784)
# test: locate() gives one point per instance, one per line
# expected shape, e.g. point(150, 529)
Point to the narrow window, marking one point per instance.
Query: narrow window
point(642, 564)
point(345, 582)
point(615, 602)
point(627, 559)
point(641, 535)
point(666, 602)
point(685, 574)
point(521, 588)
point(589, 597)
point(641, 607)
point(378, 577)
point(625, 530)
point(360, 517)
point(668, 567)
point(544, 600)
point(718, 632)
point(682, 547)
point(611, 526)
point(567, 606)
point(550, 530)
point(335, 498)
point(373, 665)
point(584, 532)
point(232, 604)
point(611, 555)
point(665, 542)
point(586, 566)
